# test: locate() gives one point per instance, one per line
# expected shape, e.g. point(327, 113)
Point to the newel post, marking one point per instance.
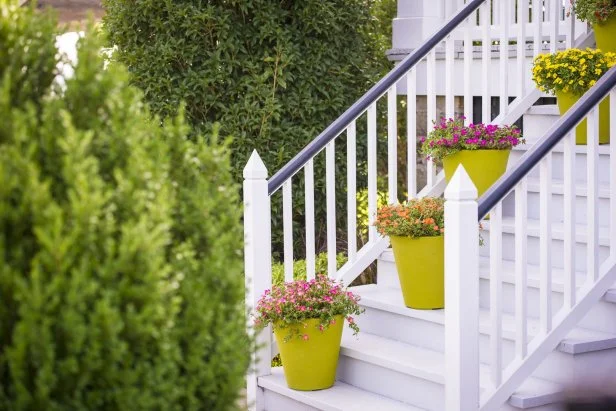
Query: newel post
point(461, 294)
point(258, 269)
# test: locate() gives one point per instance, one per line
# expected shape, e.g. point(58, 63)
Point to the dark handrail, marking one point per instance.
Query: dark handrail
point(380, 88)
point(553, 136)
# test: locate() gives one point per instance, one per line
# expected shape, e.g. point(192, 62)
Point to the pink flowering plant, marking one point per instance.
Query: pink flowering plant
point(290, 304)
point(451, 135)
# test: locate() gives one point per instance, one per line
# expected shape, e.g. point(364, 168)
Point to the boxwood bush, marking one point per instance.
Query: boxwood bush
point(121, 282)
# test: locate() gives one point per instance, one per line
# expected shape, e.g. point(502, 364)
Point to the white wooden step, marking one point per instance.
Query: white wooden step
point(374, 356)
point(538, 120)
point(341, 397)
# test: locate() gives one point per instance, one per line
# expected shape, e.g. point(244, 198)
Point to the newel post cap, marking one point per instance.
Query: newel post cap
point(461, 186)
point(255, 168)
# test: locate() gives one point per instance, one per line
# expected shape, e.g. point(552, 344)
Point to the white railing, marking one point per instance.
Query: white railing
point(555, 321)
point(485, 29)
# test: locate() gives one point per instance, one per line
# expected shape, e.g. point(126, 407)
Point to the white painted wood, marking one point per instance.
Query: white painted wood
point(537, 26)
point(554, 23)
point(411, 133)
point(545, 240)
point(496, 295)
point(461, 294)
point(449, 74)
point(504, 56)
point(569, 219)
point(258, 269)
point(521, 304)
point(540, 348)
point(592, 183)
point(366, 256)
point(330, 183)
point(309, 199)
point(468, 64)
point(570, 29)
point(351, 193)
point(486, 46)
point(521, 46)
point(613, 172)
point(431, 110)
point(372, 183)
point(392, 144)
point(287, 228)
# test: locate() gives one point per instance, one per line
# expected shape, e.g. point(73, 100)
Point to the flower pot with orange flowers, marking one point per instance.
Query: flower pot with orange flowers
point(307, 318)
point(415, 230)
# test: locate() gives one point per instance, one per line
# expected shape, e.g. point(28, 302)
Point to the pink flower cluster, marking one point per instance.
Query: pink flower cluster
point(451, 135)
point(290, 304)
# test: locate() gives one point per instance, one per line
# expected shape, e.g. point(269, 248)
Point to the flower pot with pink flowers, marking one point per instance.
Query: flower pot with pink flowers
point(483, 149)
point(601, 14)
point(307, 318)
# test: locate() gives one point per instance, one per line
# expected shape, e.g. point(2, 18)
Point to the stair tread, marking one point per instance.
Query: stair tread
point(579, 340)
point(603, 149)
point(430, 365)
point(341, 397)
point(557, 187)
point(543, 110)
point(532, 229)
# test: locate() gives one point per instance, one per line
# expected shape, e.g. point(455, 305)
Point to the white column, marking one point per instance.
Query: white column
point(258, 269)
point(415, 21)
point(461, 294)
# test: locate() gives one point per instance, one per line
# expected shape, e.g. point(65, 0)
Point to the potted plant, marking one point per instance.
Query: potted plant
point(415, 230)
point(602, 15)
point(482, 149)
point(569, 74)
point(307, 318)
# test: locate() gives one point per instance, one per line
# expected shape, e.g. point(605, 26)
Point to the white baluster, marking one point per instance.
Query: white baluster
point(309, 198)
point(372, 187)
point(570, 30)
point(554, 23)
point(521, 213)
point(592, 199)
point(496, 294)
point(351, 193)
point(569, 220)
point(468, 64)
point(545, 243)
point(287, 228)
point(504, 58)
point(613, 172)
point(330, 178)
point(486, 58)
point(411, 132)
point(537, 25)
point(461, 294)
point(449, 66)
point(431, 109)
point(521, 46)
point(392, 144)
point(258, 270)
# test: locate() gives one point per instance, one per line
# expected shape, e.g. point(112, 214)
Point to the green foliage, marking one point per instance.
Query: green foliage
point(424, 217)
point(594, 11)
point(120, 271)
point(299, 268)
point(273, 73)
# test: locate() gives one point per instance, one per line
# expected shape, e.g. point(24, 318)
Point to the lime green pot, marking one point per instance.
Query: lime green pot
point(310, 364)
point(566, 100)
point(421, 270)
point(484, 167)
point(605, 35)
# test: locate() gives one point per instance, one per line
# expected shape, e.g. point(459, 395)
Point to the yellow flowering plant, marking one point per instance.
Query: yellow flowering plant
point(572, 70)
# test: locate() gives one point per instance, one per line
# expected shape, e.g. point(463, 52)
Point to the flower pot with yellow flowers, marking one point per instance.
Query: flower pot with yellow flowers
point(483, 149)
point(601, 14)
point(569, 74)
point(415, 230)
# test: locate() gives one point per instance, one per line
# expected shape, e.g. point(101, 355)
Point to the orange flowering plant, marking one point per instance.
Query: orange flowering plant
point(416, 218)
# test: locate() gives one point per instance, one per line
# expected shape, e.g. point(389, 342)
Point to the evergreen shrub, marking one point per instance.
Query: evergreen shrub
point(121, 283)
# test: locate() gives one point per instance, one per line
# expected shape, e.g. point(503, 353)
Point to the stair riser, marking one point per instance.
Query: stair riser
point(276, 402)
point(557, 250)
point(391, 384)
point(557, 208)
point(535, 126)
point(557, 166)
point(593, 369)
point(595, 319)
